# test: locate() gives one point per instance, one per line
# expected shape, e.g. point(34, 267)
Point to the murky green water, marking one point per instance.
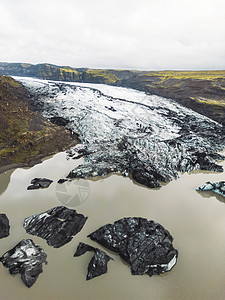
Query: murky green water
point(196, 221)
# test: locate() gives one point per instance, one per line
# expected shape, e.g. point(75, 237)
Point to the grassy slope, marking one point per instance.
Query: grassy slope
point(203, 91)
point(25, 136)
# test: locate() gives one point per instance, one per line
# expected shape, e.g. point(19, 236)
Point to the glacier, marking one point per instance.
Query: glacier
point(146, 137)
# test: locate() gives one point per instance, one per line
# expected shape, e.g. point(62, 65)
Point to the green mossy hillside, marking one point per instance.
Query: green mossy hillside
point(199, 75)
point(203, 91)
point(46, 71)
point(100, 76)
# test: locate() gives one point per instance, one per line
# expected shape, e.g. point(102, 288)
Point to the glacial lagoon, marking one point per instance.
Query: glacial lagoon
point(195, 220)
point(111, 121)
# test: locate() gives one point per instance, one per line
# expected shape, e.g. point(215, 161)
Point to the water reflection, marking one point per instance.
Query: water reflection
point(4, 180)
point(209, 194)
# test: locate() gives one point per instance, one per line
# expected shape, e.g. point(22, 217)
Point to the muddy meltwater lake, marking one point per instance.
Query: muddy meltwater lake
point(195, 220)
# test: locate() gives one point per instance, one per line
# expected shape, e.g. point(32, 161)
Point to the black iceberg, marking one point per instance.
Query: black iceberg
point(57, 225)
point(98, 264)
point(217, 187)
point(145, 245)
point(38, 183)
point(25, 258)
point(4, 226)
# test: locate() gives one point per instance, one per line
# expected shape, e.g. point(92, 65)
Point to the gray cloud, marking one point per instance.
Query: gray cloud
point(137, 34)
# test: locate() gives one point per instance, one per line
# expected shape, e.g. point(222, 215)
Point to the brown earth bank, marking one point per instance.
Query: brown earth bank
point(202, 91)
point(25, 136)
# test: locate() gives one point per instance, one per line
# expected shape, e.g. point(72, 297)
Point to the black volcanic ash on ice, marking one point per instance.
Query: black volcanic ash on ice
point(25, 258)
point(145, 245)
point(38, 183)
point(57, 225)
point(98, 263)
point(4, 226)
point(128, 132)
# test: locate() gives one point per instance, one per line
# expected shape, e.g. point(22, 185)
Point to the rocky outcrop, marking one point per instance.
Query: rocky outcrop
point(146, 137)
point(59, 121)
point(217, 187)
point(98, 263)
point(25, 258)
point(4, 226)
point(44, 71)
point(25, 136)
point(62, 180)
point(38, 183)
point(57, 225)
point(145, 245)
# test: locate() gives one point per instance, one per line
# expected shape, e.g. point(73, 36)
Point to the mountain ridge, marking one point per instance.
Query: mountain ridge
point(202, 91)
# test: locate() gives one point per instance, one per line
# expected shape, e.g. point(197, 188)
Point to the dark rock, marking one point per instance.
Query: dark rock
point(98, 264)
point(143, 177)
point(59, 121)
point(78, 151)
point(83, 248)
point(38, 183)
point(62, 180)
point(57, 225)
point(25, 258)
point(110, 108)
point(4, 226)
point(217, 187)
point(144, 244)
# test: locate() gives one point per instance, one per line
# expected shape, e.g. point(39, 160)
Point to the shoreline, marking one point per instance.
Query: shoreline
point(33, 163)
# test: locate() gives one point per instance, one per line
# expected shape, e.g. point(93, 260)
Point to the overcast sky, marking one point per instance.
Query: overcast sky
point(139, 34)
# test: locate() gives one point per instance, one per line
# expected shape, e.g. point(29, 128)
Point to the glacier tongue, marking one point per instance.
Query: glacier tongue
point(129, 132)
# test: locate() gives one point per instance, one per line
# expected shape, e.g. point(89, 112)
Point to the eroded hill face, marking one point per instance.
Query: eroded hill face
point(25, 136)
point(202, 91)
